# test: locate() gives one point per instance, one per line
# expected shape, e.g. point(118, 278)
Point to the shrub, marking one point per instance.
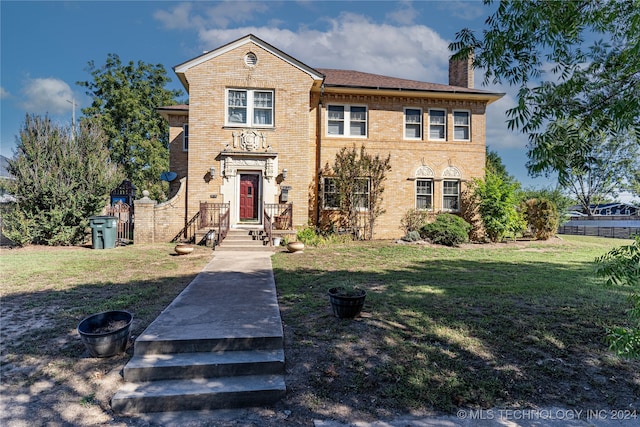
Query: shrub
point(413, 220)
point(542, 217)
point(308, 236)
point(411, 236)
point(447, 229)
point(621, 267)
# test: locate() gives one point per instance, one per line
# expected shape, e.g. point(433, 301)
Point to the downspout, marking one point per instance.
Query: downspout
point(319, 156)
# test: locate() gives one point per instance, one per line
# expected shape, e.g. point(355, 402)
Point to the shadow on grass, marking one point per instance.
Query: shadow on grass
point(437, 334)
point(48, 376)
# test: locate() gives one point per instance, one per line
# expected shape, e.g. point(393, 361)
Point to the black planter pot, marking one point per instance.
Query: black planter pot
point(110, 342)
point(346, 306)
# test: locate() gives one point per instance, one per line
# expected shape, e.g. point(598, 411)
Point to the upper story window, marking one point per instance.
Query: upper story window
point(347, 120)
point(246, 107)
point(185, 137)
point(437, 125)
point(451, 195)
point(424, 194)
point(461, 126)
point(413, 123)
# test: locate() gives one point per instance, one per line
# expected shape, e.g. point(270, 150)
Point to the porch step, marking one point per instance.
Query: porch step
point(245, 239)
point(199, 394)
point(153, 367)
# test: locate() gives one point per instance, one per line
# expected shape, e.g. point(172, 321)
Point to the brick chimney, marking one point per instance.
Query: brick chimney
point(461, 73)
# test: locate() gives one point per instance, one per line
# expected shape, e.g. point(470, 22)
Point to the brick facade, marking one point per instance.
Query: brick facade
point(298, 140)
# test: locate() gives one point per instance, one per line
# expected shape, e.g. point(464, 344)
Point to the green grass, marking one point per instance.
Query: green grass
point(60, 286)
point(446, 327)
point(484, 325)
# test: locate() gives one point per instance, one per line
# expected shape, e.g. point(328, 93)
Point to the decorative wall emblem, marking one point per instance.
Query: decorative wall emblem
point(424, 172)
point(451, 172)
point(249, 140)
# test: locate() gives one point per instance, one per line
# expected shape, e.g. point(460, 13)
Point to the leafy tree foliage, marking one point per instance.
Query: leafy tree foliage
point(593, 51)
point(594, 171)
point(495, 165)
point(621, 267)
point(497, 204)
point(356, 174)
point(62, 177)
point(125, 98)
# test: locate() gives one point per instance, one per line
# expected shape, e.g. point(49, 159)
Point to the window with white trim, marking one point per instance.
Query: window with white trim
point(437, 125)
point(451, 195)
point(424, 194)
point(461, 126)
point(347, 120)
point(330, 196)
point(413, 123)
point(247, 107)
point(361, 193)
point(185, 137)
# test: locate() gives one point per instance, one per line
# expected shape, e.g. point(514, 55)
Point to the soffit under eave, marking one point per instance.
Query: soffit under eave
point(488, 97)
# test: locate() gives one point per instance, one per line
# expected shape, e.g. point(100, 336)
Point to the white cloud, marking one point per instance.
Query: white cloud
point(177, 18)
point(352, 41)
point(46, 95)
point(465, 10)
point(3, 93)
point(221, 15)
point(404, 15)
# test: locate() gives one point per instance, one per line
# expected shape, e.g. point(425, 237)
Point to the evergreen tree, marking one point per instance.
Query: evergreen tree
point(62, 177)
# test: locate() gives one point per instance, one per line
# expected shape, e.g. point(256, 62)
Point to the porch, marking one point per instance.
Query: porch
point(211, 224)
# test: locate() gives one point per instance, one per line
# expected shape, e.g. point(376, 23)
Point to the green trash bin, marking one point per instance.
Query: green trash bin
point(104, 230)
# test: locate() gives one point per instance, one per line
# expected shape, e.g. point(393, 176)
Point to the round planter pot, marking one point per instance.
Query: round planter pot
point(346, 306)
point(277, 241)
point(295, 246)
point(106, 334)
point(183, 249)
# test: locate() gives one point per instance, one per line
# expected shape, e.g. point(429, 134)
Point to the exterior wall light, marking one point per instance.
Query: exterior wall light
point(284, 174)
point(212, 171)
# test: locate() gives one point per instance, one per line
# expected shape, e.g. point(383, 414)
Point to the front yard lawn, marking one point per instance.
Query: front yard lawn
point(508, 325)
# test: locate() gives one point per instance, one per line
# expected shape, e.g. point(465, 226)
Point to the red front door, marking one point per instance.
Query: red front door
point(248, 197)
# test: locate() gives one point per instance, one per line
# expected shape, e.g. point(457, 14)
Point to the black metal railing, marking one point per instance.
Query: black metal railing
point(214, 217)
point(280, 215)
point(188, 233)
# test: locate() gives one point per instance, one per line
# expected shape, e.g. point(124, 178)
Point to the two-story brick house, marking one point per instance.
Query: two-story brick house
point(262, 127)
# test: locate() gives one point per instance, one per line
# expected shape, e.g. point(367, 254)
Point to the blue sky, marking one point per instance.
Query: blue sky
point(46, 46)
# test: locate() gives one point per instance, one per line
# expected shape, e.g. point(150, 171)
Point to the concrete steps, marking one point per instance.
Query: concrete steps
point(199, 394)
point(203, 365)
point(245, 239)
point(219, 344)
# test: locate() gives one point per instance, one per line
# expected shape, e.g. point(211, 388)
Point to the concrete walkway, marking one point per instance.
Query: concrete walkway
point(219, 344)
point(246, 305)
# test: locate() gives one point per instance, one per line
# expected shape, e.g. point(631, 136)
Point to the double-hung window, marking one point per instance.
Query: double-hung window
point(185, 137)
point(461, 126)
point(347, 120)
point(437, 125)
point(451, 195)
point(247, 107)
point(424, 194)
point(330, 196)
point(359, 194)
point(413, 123)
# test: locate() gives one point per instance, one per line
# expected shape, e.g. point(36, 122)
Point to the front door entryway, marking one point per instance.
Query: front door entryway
point(249, 196)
